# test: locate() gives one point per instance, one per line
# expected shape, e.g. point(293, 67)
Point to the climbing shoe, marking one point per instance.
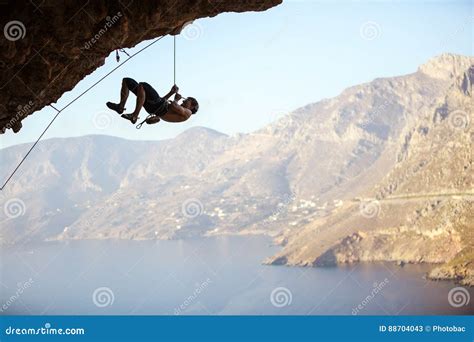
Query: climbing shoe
point(130, 118)
point(115, 107)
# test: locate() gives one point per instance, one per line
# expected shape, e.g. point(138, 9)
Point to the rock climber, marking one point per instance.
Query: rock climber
point(159, 108)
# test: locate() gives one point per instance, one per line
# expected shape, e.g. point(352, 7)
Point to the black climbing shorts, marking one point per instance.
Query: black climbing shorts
point(154, 104)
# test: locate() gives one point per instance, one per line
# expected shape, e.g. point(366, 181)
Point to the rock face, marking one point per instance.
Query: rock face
point(49, 46)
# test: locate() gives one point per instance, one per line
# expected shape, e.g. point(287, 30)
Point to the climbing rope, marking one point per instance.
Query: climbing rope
point(174, 59)
point(70, 103)
point(138, 126)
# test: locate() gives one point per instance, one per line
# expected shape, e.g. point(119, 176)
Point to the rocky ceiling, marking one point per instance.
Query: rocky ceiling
point(48, 46)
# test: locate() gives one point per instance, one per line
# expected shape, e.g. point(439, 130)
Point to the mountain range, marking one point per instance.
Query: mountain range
point(381, 172)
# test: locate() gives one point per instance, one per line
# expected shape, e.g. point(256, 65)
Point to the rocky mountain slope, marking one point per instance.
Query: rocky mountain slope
point(381, 172)
point(422, 210)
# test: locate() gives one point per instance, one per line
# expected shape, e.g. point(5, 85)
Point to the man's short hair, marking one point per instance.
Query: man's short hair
point(195, 104)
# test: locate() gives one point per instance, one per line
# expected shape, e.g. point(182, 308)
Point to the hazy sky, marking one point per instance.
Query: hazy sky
point(247, 69)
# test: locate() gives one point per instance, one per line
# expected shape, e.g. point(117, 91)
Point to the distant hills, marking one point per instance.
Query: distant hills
point(381, 172)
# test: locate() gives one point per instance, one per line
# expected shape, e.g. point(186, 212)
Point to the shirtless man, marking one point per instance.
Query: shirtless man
point(161, 108)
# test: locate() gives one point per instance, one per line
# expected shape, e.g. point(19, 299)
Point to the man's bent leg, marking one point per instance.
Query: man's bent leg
point(127, 84)
point(141, 97)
